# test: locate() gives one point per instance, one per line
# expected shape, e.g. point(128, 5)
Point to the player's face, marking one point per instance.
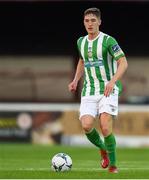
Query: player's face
point(91, 23)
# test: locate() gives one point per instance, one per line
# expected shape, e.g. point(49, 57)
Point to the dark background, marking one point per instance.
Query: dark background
point(48, 28)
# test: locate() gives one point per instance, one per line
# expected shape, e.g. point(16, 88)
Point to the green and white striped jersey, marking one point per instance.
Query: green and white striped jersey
point(99, 56)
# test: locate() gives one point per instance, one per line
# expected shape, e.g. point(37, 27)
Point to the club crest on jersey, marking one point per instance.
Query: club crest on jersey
point(90, 52)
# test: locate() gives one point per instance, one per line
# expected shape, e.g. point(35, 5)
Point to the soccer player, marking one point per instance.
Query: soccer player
point(103, 62)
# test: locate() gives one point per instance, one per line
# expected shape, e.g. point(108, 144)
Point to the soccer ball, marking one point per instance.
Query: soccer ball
point(61, 162)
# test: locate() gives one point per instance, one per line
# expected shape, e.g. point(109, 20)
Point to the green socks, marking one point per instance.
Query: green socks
point(94, 138)
point(110, 144)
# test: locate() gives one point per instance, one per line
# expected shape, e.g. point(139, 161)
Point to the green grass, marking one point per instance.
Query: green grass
point(24, 161)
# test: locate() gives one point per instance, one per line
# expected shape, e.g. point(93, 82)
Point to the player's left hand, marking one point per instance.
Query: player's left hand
point(109, 88)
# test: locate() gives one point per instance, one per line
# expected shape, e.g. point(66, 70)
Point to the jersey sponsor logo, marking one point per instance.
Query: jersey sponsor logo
point(96, 63)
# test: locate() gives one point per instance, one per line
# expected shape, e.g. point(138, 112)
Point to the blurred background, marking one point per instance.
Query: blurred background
point(38, 57)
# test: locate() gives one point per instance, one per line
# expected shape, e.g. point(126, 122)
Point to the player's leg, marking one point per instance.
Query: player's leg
point(88, 112)
point(109, 138)
point(108, 107)
point(87, 122)
point(93, 136)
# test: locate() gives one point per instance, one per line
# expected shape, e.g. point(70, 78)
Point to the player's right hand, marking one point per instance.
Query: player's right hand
point(72, 86)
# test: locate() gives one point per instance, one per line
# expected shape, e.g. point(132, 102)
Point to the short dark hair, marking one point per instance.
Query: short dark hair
point(95, 11)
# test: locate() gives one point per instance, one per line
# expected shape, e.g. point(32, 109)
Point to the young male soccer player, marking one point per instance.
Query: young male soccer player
point(103, 63)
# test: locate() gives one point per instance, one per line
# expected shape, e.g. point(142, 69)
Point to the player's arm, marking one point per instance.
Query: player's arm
point(79, 73)
point(122, 66)
point(119, 56)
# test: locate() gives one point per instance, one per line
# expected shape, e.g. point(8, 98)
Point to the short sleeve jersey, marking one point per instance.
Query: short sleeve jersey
point(99, 56)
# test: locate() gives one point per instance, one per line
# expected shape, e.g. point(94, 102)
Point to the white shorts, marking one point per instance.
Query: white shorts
point(95, 105)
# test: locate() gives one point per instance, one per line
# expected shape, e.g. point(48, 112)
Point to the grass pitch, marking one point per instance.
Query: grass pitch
point(26, 161)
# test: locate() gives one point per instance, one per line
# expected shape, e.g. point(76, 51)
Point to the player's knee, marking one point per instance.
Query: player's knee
point(86, 127)
point(105, 131)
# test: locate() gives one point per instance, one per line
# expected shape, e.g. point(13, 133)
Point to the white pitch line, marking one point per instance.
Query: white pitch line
point(77, 169)
point(74, 169)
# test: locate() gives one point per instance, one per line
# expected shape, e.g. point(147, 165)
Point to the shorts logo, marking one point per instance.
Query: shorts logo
point(113, 108)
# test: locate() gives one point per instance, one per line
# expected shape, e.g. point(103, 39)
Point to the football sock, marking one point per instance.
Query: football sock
point(111, 148)
point(94, 138)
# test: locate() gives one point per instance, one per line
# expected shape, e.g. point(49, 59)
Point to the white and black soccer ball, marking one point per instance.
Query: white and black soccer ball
point(61, 162)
